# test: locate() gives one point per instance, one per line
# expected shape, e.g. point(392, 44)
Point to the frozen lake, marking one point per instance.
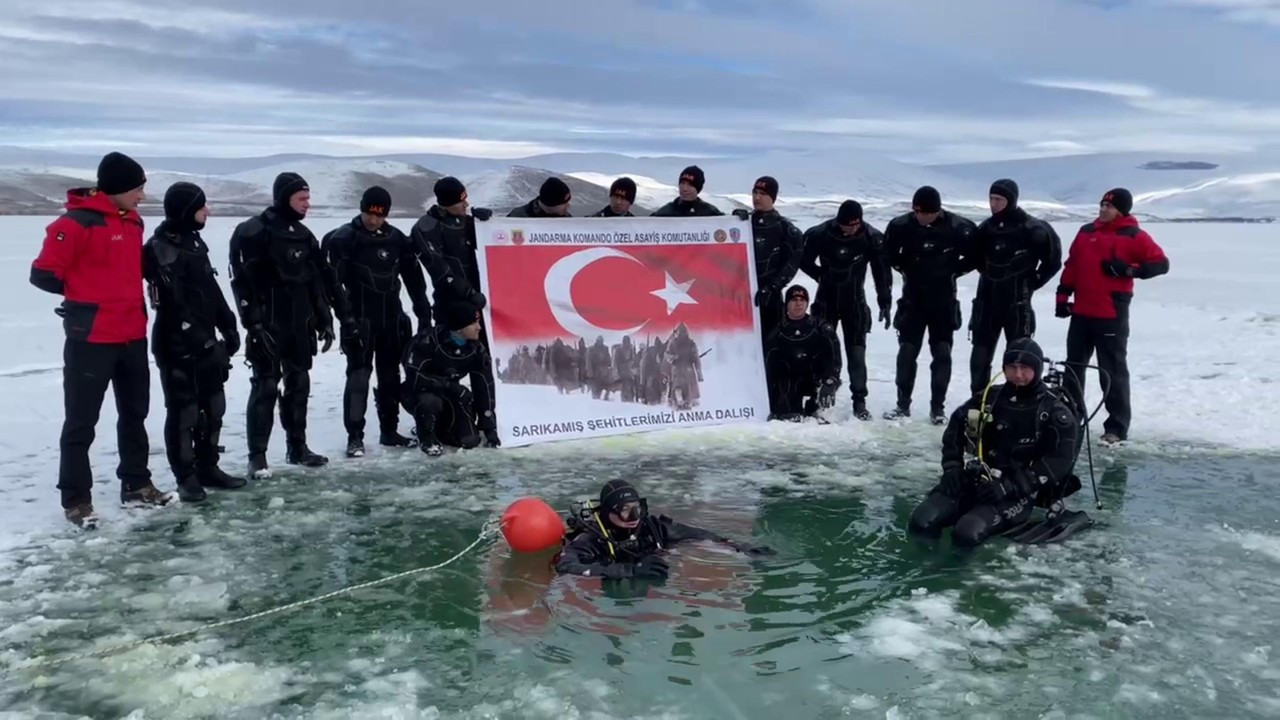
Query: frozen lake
point(1169, 608)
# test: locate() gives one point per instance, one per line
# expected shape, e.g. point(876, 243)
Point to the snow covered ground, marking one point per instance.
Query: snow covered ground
point(1205, 386)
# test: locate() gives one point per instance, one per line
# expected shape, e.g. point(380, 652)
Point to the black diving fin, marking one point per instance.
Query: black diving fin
point(1051, 529)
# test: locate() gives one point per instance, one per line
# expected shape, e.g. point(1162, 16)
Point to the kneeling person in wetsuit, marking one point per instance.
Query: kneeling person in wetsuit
point(442, 407)
point(1026, 441)
point(802, 360)
point(620, 539)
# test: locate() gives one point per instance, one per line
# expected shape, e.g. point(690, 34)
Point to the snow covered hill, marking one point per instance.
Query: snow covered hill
point(1166, 186)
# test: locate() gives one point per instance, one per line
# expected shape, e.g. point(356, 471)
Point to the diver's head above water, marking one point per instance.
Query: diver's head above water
point(621, 507)
point(1023, 362)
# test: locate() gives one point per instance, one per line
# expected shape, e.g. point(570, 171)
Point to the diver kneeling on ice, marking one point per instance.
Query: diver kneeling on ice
point(618, 538)
point(1025, 438)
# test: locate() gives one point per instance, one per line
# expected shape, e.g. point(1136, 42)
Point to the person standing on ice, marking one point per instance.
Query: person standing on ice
point(802, 361)
point(92, 257)
point(194, 364)
point(445, 240)
point(286, 295)
point(837, 254)
point(931, 247)
point(1105, 258)
point(778, 247)
point(445, 410)
point(622, 195)
point(370, 257)
point(688, 204)
point(553, 201)
point(1016, 254)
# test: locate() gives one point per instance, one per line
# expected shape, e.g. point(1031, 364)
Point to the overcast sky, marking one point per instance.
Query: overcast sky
point(925, 80)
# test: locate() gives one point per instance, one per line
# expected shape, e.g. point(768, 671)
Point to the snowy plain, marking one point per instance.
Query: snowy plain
point(1204, 381)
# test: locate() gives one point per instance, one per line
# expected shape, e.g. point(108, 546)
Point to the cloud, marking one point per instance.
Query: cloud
point(930, 80)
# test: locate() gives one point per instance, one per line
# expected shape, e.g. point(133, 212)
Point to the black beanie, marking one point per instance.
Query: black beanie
point(118, 174)
point(1006, 189)
point(1025, 351)
point(796, 290)
point(554, 192)
point(850, 210)
point(181, 203)
point(768, 186)
point(617, 493)
point(927, 200)
point(285, 186)
point(694, 176)
point(449, 191)
point(376, 201)
point(1121, 199)
point(624, 186)
point(459, 314)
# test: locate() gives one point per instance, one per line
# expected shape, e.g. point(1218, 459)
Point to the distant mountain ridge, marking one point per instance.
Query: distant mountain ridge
point(1183, 187)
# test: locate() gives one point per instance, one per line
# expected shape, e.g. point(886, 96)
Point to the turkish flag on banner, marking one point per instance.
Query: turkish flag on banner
point(541, 292)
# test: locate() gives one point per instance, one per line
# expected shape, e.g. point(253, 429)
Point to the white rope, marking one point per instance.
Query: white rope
point(490, 528)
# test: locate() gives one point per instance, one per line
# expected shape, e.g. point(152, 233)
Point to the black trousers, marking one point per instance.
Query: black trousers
point(87, 370)
point(380, 354)
point(194, 407)
point(854, 320)
point(1110, 338)
point(445, 417)
point(941, 319)
point(264, 389)
point(973, 522)
point(990, 318)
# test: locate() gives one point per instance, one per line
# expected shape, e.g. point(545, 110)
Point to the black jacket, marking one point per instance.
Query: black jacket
point(930, 258)
point(839, 263)
point(532, 209)
point(608, 212)
point(1015, 255)
point(1032, 436)
point(446, 246)
point(370, 265)
point(590, 553)
point(436, 364)
point(189, 303)
point(680, 208)
point(779, 245)
point(279, 276)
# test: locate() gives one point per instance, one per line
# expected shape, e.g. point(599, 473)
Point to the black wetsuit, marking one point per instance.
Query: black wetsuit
point(446, 246)
point(589, 553)
point(802, 360)
point(779, 245)
point(694, 208)
point(444, 409)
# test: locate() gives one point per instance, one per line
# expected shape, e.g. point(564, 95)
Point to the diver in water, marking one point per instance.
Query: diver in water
point(1024, 437)
point(620, 539)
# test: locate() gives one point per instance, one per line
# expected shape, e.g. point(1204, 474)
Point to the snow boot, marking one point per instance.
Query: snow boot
point(258, 466)
point(860, 411)
point(428, 443)
point(145, 496)
point(213, 477)
point(393, 438)
point(82, 516)
point(355, 447)
point(902, 411)
point(190, 489)
point(302, 455)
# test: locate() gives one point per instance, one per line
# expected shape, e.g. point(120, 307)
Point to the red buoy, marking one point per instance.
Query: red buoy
point(530, 525)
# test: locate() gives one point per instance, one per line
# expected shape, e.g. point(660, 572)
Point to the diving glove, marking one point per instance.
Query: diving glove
point(651, 566)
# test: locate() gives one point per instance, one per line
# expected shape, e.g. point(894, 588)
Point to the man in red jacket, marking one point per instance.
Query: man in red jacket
point(1101, 265)
point(92, 256)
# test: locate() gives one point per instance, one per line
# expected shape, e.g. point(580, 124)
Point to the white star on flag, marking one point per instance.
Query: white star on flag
point(674, 294)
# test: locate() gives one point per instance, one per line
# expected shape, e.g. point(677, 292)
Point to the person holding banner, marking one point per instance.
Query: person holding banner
point(802, 361)
point(552, 201)
point(445, 239)
point(622, 195)
point(688, 204)
point(779, 245)
point(443, 409)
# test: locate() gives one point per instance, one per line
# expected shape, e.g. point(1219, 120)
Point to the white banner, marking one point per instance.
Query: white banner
point(606, 326)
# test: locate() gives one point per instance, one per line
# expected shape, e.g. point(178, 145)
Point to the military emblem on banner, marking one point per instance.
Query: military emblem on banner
point(517, 237)
point(721, 235)
point(499, 237)
point(735, 234)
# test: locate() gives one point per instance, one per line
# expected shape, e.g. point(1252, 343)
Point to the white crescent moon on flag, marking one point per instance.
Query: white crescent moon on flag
point(557, 284)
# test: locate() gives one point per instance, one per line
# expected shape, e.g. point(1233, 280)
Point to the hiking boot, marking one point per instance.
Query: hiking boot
point(214, 477)
point(302, 455)
point(145, 496)
point(355, 448)
point(897, 413)
point(860, 411)
point(258, 466)
point(190, 489)
point(395, 439)
point(429, 445)
point(82, 516)
point(938, 416)
point(1110, 439)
